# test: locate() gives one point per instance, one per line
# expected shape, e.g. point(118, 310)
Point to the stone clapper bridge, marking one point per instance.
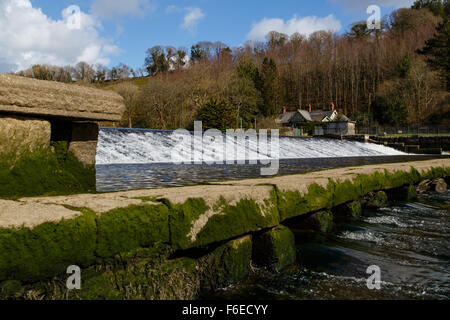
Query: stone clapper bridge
point(175, 243)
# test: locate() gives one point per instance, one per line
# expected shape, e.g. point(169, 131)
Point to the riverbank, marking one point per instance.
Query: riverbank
point(202, 236)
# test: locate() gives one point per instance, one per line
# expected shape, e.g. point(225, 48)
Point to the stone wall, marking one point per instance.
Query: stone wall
point(82, 138)
point(72, 110)
point(20, 135)
point(335, 128)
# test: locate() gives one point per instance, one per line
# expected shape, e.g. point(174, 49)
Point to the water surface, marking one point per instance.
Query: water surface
point(120, 177)
point(410, 242)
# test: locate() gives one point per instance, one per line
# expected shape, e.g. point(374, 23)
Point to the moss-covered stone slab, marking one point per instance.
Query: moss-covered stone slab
point(332, 187)
point(375, 200)
point(294, 203)
point(47, 171)
point(198, 222)
point(48, 249)
point(182, 218)
point(275, 249)
point(348, 210)
point(122, 230)
point(322, 221)
point(99, 203)
point(143, 274)
point(12, 213)
point(226, 265)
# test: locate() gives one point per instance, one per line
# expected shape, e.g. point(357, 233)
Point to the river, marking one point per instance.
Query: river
point(410, 242)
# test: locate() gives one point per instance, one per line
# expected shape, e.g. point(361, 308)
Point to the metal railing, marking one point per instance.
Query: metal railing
point(405, 131)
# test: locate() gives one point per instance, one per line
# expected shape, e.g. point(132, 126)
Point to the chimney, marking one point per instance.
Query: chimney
point(332, 106)
point(284, 110)
point(310, 108)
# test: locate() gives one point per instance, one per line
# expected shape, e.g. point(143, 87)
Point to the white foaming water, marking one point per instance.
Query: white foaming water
point(387, 220)
point(361, 236)
point(145, 146)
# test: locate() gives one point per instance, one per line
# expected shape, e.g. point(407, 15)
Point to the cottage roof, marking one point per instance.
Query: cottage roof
point(315, 116)
point(319, 116)
point(305, 114)
point(285, 117)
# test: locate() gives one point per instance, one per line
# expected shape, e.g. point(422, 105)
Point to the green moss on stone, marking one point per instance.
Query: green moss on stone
point(351, 209)
point(143, 274)
point(369, 183)
point(355, 209)
point(411, 193)
point(44, 172)
point(236, 220)
point(293, 203)
point(48, 249)
point(343, 192)
point(226, 265)
point(321, 221)
point(434, 173)
point(143, 279)
point(10, 289)
point(182, 217)
point(398, 179)
point(275, 249)
point(376, 200)
point(129, 228)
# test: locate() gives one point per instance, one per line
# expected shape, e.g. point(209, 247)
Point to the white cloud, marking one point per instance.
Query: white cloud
point(363, 4)
point(28, 36)
point(192, 17)
point(303, 25)
point(111, 9)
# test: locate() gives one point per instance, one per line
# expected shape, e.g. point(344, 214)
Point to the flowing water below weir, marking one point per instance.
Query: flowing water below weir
point(142, 159)
point(410, 242)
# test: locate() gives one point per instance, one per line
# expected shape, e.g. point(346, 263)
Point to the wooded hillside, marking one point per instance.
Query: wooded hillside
point(395, 76)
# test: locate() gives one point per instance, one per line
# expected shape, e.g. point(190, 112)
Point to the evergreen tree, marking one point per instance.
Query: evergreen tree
point(435, 6)
point(404, 66)
point(389, 110)
point(248, 70)
point(157, 60)
point(437, 50)
point(217, 115)
point(270, 87)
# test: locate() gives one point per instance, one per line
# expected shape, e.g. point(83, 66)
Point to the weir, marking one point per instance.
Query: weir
point(130, 146)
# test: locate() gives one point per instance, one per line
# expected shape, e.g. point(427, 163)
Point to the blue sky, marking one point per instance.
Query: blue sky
point(113, 31)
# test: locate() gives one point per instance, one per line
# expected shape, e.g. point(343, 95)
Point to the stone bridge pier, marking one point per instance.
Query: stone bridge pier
point(34, 113)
